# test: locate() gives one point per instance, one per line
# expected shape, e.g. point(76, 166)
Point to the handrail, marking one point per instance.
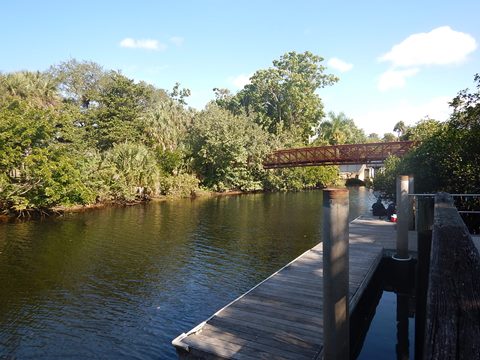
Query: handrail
point(453, 298)
point(467, 206)
point(433, 195)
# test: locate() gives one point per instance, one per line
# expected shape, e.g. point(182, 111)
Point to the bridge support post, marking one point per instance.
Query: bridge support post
point(402, 220)
point(335, 274)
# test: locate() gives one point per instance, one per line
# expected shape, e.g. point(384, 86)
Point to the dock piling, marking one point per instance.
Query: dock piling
point(336, 274)
point(402, 220)
point(411, 202)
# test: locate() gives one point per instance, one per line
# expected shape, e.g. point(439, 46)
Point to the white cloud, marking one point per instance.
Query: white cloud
point(340, 65)
point(392, 79)
point(382, 120)
point(240, 81)
point(441, 46)
point(147, 44)
point(177, 40)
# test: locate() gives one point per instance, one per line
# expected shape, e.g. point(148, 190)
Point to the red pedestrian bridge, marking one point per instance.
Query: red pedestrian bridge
point(369, 153)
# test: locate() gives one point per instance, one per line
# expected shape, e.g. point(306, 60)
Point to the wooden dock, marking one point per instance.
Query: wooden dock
point(281, 318)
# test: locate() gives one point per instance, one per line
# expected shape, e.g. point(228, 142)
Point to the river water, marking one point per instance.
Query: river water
point(121, 283)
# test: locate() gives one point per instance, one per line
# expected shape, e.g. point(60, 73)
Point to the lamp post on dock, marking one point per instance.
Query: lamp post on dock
point(335, 274)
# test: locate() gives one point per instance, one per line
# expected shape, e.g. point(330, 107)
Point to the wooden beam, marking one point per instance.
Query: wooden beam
point(453, 299)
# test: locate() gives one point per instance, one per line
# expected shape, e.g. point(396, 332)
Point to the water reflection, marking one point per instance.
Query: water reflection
point(384, 321)
point(123, 282)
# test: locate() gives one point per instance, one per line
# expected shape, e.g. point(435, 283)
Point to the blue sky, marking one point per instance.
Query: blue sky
point(396, 60)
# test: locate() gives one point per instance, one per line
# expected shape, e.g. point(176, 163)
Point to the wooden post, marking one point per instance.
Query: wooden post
point(335, 274)
point(411, 202)
point(423, 225)
point(402, 218)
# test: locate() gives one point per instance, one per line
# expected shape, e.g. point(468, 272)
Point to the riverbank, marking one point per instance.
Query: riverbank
point(31, 214)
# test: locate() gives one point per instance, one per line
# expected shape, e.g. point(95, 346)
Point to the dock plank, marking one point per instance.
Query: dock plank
point(282, 318)
point(232, 335)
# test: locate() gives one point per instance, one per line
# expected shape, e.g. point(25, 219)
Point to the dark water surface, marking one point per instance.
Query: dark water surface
point(380, 341)
point(121, 283)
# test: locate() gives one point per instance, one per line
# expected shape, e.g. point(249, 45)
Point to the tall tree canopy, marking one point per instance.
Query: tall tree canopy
point(284, 96)
point(448, 157)
point(339, 129)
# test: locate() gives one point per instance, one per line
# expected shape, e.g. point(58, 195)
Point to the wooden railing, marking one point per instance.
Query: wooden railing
point(453, 298)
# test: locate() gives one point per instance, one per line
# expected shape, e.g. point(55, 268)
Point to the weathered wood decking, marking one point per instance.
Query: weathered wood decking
point(281, 318)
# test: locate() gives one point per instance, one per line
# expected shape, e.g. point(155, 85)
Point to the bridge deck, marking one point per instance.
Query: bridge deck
point(281, 318)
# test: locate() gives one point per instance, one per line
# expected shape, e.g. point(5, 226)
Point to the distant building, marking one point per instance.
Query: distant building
point(361, 172)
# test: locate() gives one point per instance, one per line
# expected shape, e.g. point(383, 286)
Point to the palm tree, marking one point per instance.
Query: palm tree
point(340, 129)
point(135, 165)
point(35, 87)
point(400, 128)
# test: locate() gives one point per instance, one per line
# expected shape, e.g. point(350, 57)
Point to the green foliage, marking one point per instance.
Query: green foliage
point(339, 129)
point(35, 88)
point(52, 178)
point(448, 157)
point(121, 104)
point(284, 96)
point(295, 179)
point(373, 137)
point(37, 171)
point(227, 150)
point(385, 180)
point(165, 125)
point(400, 128)
point(170, 162)
point(130, 171)
point(78, 134)
point(79, 82)
point(424, 129)
point(181, 185)
point(388, 137)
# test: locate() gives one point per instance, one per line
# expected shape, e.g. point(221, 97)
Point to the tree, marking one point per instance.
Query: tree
point(36, 88)
point(79, 82)
point(227, 150)
point(388, 137)
point(166, 124)
point(399, 128)
point(131, 171)
point(339, 129)
point(423, 129)
point(37, 171)
point(118, 117)
point(179, 95)
point(448, 157)
point(373, 137)
point(284, 96)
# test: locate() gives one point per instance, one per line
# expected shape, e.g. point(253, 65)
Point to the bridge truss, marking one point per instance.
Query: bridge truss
point(369, 153)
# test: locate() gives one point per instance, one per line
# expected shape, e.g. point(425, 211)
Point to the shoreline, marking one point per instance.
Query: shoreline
point(59, 211)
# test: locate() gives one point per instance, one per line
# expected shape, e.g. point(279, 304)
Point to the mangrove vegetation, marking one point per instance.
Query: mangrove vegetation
point(78, 134)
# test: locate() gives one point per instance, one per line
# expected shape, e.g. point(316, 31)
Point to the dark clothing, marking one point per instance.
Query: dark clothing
point(378, 209)
point(390, 210)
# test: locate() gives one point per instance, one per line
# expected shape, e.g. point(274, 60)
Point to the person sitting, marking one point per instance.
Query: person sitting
point(378, 209)
point(390, 210)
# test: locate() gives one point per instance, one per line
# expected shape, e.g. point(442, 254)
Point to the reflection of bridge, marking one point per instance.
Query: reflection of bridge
point(336, 154)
